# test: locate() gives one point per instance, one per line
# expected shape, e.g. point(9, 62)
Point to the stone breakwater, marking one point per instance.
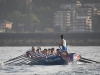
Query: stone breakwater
point(48, 39)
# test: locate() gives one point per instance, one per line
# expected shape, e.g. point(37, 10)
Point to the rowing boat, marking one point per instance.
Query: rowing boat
point(58, 60)
point(55, 60)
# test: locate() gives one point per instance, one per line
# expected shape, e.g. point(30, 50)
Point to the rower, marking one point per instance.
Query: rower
point(38, 53)
point(48, 53)
point(31, 53)
point(63, 44)
point(53, 55)
point(45, 53)
point(57, 52)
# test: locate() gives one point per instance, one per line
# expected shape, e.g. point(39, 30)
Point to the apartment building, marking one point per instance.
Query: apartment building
point(5, 24)
point(75, 17)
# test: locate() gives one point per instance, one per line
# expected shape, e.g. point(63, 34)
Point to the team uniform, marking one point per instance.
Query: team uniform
point(64, 48)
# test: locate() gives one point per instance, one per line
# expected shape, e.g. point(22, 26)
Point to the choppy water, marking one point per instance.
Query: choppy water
point(90, 52)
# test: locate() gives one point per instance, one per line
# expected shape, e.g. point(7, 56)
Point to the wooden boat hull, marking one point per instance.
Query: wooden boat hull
point(59, 60)
point(49, 61)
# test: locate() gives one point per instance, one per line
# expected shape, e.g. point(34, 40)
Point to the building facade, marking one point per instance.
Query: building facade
point(75, 17)
point(5, 24)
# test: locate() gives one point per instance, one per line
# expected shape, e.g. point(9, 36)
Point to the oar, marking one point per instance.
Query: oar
point(25, 61)
point(13, 59)
point(35, 60)
point(7, 63)
point(85, 60)
point(89, 60)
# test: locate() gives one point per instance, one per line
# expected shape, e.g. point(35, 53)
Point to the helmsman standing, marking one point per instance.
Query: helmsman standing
point(63, 44)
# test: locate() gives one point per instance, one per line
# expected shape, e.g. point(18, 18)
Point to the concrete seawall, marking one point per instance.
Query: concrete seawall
point(28, 39)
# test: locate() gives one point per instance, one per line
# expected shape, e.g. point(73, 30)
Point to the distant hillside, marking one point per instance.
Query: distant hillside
point(38, 13)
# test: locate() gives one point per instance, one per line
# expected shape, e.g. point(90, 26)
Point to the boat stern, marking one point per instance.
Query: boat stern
point(74, 57)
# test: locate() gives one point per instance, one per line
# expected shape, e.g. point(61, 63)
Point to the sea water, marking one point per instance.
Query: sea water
point(78, 68)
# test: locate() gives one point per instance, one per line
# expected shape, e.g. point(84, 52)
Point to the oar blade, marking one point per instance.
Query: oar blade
point(87, 60)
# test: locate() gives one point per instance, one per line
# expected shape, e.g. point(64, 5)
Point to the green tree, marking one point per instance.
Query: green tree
point(32, 22)
point(50, 30)
point(14, 16)
point(29, 20)
point(32, 18)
